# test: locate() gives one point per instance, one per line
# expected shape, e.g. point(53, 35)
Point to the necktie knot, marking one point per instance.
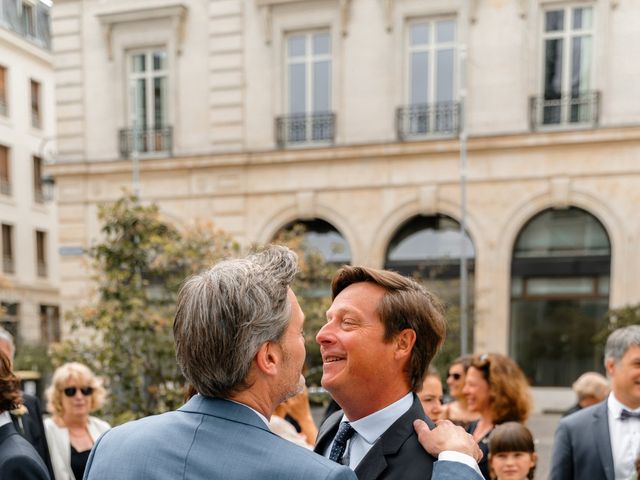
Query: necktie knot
point(626, 414)
point(345, 432)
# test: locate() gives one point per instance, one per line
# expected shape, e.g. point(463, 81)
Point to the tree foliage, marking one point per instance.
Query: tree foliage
point(125, 334)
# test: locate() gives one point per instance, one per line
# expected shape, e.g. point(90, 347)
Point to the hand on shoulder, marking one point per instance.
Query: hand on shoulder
point(446, 436)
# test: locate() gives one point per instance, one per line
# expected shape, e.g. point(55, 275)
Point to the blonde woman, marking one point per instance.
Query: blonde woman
point(75, 392)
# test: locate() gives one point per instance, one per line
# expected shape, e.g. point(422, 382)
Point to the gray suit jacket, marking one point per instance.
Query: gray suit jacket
point(205, 439)
point(397, 454)
point(582, 448)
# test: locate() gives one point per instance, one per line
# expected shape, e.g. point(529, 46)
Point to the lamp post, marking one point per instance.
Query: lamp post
point(464, 294)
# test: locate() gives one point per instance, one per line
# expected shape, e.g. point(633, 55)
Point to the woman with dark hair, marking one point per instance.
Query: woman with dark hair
point(18, 459)
point(498, 391)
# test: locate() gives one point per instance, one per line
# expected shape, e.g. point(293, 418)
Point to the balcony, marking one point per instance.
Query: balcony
point(146, 142)
point(8, 265)
point(425, 120)
point(568, 111)
point(305, 129)
point(5, 187)
point(41, 269)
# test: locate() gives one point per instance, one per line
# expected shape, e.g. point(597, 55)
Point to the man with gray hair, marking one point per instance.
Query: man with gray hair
point(603, 441)
point(239, 342)
point(27, 420)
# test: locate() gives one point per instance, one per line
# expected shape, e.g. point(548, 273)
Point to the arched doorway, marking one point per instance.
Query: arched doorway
point(428, 247)
point(559, 295)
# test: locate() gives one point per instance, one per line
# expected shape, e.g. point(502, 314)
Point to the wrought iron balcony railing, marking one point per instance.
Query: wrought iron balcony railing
point(569, 110)
point(8, 265)
point(305, 128)
point(428, 119)
point(5, 187)
point(146, 141)
point(42, 269)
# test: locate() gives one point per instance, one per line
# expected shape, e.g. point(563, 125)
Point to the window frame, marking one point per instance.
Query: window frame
point(5, 183)
point(7, 242)
point(431, 48)
point(41, 253)
point(36, 103)
point(308, 60)
point(4, 89)
point(566, 35)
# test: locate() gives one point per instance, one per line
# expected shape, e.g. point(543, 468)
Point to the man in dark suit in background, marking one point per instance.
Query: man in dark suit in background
point(603, 441)
point(27, 421)
point(381, 333)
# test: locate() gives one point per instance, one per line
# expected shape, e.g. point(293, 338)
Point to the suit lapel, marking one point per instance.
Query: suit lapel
point(603, 442)
point(327, 431)
point(375, 461)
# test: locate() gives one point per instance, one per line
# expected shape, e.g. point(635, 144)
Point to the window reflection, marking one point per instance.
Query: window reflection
point(559, 295)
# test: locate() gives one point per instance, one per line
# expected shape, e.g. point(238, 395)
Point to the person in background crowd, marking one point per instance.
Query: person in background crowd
point(431, 394)
point(498, 391)
point(457, 410)
point(18, 459)
point(28, 417)
point(590, 388)
point(297, 412)
point(512, 453)
point(603, 441)
point(74, 393)
point(381, 333)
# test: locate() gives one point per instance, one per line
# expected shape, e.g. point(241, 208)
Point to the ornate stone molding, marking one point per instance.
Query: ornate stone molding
point(177, 13)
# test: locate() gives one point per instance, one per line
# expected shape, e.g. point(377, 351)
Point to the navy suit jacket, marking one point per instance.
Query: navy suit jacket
point(30, 426)
point(209, 439)
point(18, 459)
point(582, 447)
point(397, 454)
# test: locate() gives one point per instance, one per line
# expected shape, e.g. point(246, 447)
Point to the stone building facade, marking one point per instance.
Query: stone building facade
point(28, 236)
point(349, 115)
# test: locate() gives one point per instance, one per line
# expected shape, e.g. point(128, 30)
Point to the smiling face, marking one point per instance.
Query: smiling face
point(431, 397)
point(512, 465)
point(625, 377)
point(78, 405)
point(360, 368)
point(476, 390)
point(455, 379)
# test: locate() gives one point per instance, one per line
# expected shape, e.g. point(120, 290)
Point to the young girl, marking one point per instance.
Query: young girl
point(511, 452)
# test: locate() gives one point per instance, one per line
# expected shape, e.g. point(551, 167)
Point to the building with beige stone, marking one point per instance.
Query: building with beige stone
point(28, 238)
point(349, 115)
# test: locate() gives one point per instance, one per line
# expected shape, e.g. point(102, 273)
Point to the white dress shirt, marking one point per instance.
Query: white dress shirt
point(4, 418)
point(625, 439)
point(370, 428)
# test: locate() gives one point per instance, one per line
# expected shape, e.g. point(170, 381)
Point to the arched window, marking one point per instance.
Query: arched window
point(429, 248)
point(321, 237)
point(559, 295)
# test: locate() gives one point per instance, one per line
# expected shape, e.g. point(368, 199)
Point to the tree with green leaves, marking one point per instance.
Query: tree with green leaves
point(125, 334)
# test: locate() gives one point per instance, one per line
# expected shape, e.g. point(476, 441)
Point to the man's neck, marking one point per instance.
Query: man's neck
point(254, 400)
point(363, 406)
point(627, 401)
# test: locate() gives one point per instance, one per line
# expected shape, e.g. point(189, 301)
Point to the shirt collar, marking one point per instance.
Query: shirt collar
point(4, 418)
point(373, 426)
point(615, 406)
point(262, 417)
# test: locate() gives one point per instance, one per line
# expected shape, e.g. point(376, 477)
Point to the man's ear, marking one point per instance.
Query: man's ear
point(405, 340)
point(267, 358)
point(610, 366)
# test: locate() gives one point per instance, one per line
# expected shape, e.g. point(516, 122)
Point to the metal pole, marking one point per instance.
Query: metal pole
point(135, 161)
point(464, 300)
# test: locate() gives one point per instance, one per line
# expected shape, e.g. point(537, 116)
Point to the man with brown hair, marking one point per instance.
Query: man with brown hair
point(382, 331)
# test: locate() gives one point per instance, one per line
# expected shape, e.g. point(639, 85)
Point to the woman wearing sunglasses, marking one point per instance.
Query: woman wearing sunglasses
point(71, 432)
point(457, 410)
